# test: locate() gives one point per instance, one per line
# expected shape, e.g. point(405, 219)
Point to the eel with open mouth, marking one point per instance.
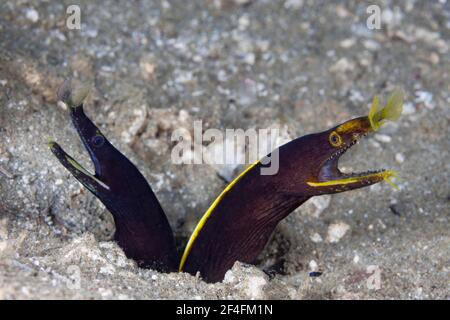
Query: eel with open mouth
point(142, 228)
point(239, 223)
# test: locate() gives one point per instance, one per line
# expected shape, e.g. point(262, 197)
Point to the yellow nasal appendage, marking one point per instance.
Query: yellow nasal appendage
point(391, 111)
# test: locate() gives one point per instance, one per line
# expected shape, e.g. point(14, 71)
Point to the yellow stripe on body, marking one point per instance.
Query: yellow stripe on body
point(207, 214)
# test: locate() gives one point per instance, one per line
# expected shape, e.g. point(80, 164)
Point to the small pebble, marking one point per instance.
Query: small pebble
point(391, 17)
point(408, 108)
point(400, 158)
point(313, 265)
point(336, 231)
point(426, 98)
point(375, 143)
point(347, 43)
point(222, 75)
point(147, 66)
point(32, 15)
point(316, 238)
point(342, 12)
point(320, 204)
point(383, 138)
point(356, 96)
point(244, 22)
point(293, 4)
point(254, 286)
point(250, 58)
point(341, 66)
point(434, 58)
point(242, 2)
point(371, 45)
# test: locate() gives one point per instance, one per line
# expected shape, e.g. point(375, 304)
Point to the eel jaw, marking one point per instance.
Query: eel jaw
point(89, 180)
point(331, 180)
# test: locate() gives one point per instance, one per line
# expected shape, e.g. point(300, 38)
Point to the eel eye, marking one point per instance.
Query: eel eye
point(335, 139)
point(98, 141)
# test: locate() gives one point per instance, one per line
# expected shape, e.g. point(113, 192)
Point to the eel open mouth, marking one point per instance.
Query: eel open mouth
point(350, 133)
point(331, 175)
